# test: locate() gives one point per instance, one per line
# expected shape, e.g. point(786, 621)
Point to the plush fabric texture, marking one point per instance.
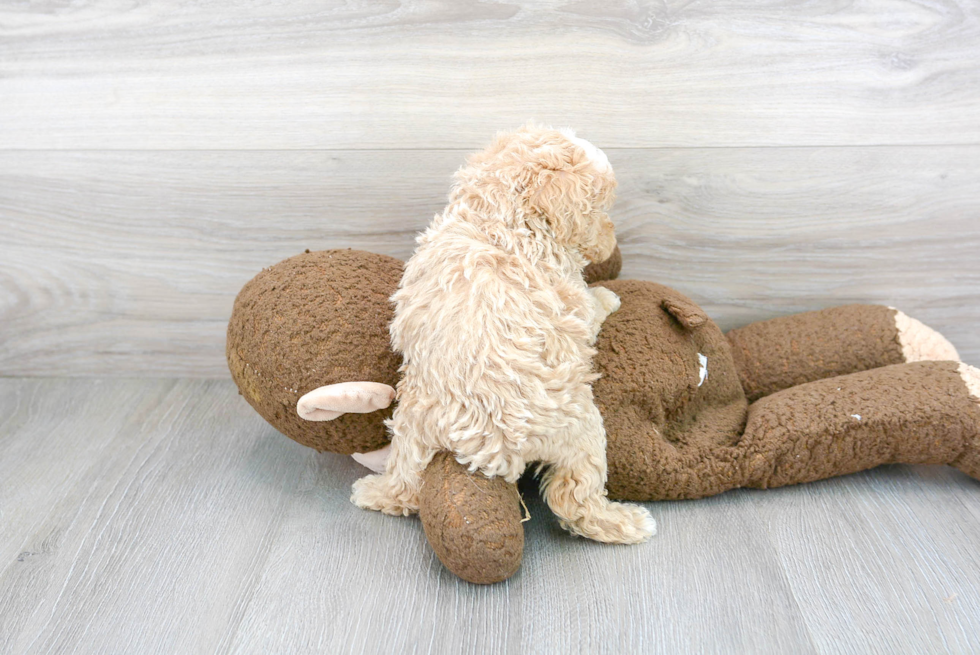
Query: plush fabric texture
point(315, 319)
point(472, 522)
point(659, 421)
point(678, 420)
point(670, 439)
point(769, 355)
point(915, 413)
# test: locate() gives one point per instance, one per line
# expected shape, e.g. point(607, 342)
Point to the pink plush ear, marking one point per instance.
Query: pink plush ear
point(329, 402)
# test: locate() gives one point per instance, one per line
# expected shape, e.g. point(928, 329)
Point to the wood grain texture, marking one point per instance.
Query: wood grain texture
point(909, 525)
point(127, 263)
point(164, 516)
point(100, 568)
point(439, 74)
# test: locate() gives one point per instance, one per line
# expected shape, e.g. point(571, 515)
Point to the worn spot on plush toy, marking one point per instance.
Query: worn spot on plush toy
point(703, 369)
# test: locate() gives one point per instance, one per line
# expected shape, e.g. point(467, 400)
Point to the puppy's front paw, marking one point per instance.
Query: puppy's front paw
point(606, 299)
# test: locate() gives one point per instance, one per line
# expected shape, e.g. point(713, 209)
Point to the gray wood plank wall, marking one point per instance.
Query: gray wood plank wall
point(772, 157)
point(436, 74)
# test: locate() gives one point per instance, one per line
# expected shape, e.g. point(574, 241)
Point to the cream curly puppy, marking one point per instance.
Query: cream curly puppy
point(496, 326)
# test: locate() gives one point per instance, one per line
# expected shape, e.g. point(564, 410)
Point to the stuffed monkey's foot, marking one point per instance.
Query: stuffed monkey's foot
point(920, 343)
point(969, 461)
point(472, 522)
point(971, 376)
point(383, 493)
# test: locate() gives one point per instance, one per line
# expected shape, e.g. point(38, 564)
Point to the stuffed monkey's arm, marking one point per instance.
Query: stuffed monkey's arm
point(792, 350)
point(472, 522)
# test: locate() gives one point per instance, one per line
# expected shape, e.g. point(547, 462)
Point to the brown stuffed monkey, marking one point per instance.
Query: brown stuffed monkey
point(689, 411)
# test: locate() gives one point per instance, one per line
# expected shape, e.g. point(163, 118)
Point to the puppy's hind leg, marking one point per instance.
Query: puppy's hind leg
point(396, 491)
point(574, 487)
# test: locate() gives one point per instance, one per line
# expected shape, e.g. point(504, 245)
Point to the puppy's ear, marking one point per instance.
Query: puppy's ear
point(561, 198)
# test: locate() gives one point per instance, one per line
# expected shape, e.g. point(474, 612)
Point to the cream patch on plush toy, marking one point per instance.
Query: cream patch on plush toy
point(920, 343)
point(971, 376)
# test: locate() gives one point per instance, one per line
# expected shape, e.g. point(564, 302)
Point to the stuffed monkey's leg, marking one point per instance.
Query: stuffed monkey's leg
point(792, 350)
point(917, 413)
point(472, 522)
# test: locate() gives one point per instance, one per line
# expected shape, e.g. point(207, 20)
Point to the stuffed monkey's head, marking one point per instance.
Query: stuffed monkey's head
point(308, 346)
point(315, 327)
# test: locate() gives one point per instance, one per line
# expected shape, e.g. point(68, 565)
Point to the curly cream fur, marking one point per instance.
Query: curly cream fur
point(496, 326)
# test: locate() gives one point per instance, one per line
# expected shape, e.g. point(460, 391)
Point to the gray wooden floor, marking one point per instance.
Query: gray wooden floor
point(773, 157)
point(165, 516)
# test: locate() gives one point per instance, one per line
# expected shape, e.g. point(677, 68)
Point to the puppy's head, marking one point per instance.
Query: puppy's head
point(555, 179)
